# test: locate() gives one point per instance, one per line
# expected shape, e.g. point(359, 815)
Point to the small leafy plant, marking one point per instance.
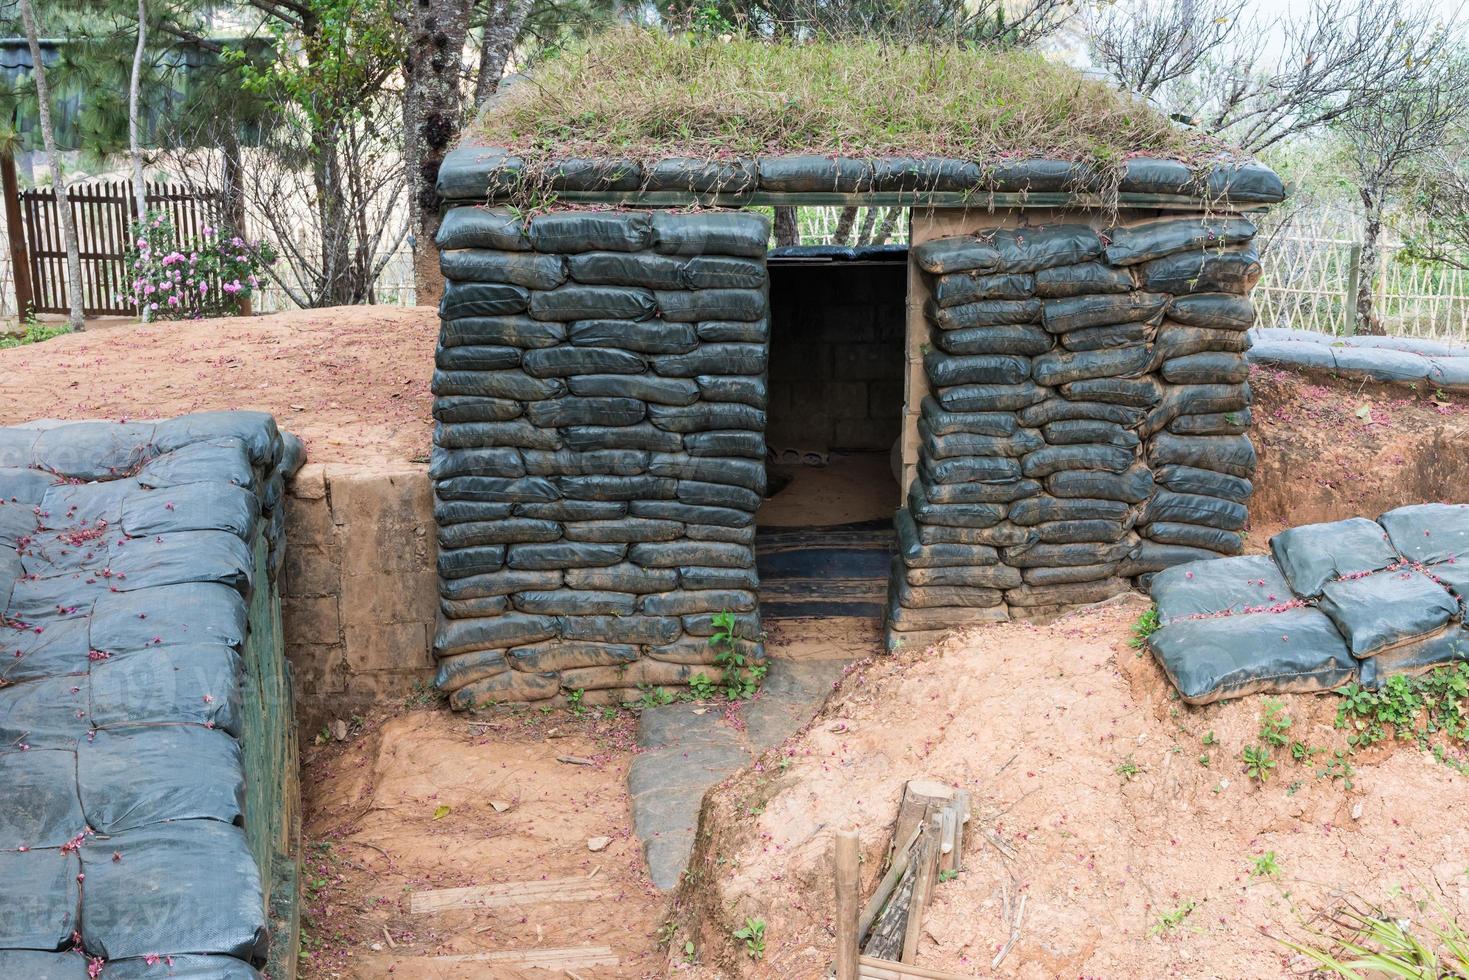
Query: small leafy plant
point(702, 688)
point(753, 936)
point(1275, 724)
point(1258, 763)
point(171, 278)
point(1127, 768)
point(742, 677)
point(1383, 946)
point(574, 703)
point(1265, 866)
point(948, 874)
point(1169, 921)
point(1146, 625)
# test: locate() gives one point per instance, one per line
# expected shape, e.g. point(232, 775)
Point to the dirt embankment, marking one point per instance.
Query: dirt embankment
point(1331, 448)
point(352, 382)
point(1112, 808)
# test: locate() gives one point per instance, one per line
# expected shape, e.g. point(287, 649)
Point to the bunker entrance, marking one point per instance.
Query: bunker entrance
point(834, 420)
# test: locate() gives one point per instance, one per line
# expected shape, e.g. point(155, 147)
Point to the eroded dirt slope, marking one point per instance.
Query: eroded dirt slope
point(1092, 800)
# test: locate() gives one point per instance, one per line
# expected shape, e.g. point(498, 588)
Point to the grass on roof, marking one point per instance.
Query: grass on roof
point(648, 95)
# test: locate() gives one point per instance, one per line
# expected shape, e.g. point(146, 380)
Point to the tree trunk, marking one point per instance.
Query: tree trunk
point(433, 114)
point(1368, 319)
point(889, 224)
point(787, 229)
point(135, 85)
point(53, 155)
point(335, 288)
point(869, 220)
point(843, 234)
point(502, 30)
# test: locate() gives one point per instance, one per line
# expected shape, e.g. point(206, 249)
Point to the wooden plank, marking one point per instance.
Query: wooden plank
point(849, 887)
point(546, 892)
point(20, 262)
point(927, 862)
point(886, 939)
point(895, 872)
point(569, 957)
point(876, 968)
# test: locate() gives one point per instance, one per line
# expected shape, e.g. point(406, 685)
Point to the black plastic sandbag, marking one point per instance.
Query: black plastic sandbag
point(1086, 278)
point(972, 469)
point(1174, 340)
point(642, 336)
point(1313, 554)
point(489, 265)
point(508, 530)
point(672, 554)
point(722, 272)
point(749, 445)
point(592, 231)
point(962, 287)
point(628, 488)
point(625, 269)
point(690, 305)
point(705, 577)
point(673, 510)
point(1061, 555)
point(597, 174)
point(1247, 583)
point(182, 887)
point(1226, 271)
point(477, 227)
point(1066, 594)
point(739, 472)
point(1079, 312)
point(562, 362)
point(1295, 651)
point(576, 602)
point(211, 506)
point(1152, 557)
point(943, 423)
point(621, 629)
point(974, 515)
point(1064, 409)
point(574, 410)
point(1111, 335)
point(970, 493)
point(131, 777)
point(513, 384)
point(924, 173)
point(990, 397)
point(576, 302)
point(462, 299)
point(682, 603)
point(643, 387)
point(498, 583)
point(978, 369)
point(622, 529)
point(930, 596)
point(641, 435)
point(622, 577)
point(501, 461)
point(1038, 510)
point(712, 359)
point(473, 435)
point(1429, 533)
point(814, 173)
point(706, 416)
point(1378, 612)
point(1193, 536)
point(1206, 368)
point(711, 233)
point(1069, 432)
point(983, 313)
point(967, 444)
point(1217, 311)
point(1189, 508)
point(1070, 532)
point(1245, 182)
point(476, 358)
point(1212, 424)
point(511, 331)
point(1191, 479)
point(495, 489)
point(734, 331)
point(1145, 240)
point(1132, 486)
point(466, 668)
point(1234, 455)
point(1056, 459)
point(751, 391)
point(717, 495)
point(473, 173)
point(1020, 338)
point(1132, 392)
point(701, 176)
point(1058, 368)
point(964, 577)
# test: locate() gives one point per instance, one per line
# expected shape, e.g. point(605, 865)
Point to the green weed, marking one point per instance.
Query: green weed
point(753, 935)
point(1169, 921)
point(1265, 866)
point(1258, 763)
point(1147, 624)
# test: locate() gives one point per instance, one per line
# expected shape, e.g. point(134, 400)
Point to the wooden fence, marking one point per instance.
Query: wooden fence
point(103, 213)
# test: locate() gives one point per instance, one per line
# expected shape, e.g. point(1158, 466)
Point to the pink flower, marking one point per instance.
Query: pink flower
point(203, 288)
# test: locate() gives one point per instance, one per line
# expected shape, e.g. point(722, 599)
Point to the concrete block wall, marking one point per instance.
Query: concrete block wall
point(359, 590)
point(836, 356)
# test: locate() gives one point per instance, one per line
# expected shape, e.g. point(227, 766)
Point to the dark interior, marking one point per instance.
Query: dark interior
point(837, 323)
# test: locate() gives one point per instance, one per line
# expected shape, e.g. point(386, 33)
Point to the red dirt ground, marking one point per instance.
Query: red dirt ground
point(353, 383)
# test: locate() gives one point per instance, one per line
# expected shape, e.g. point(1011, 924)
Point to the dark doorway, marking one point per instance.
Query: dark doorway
point(837, 320)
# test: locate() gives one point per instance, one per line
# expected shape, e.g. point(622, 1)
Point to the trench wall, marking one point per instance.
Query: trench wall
point(1077, 411)
point(599, 452)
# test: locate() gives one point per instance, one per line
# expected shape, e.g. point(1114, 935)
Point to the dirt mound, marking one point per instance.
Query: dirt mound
point(1092, 800)
point(352, 382)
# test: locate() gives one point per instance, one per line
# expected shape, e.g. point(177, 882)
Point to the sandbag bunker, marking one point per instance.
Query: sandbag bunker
point(1332, 604)
point(1075, 406)
point(147, 749)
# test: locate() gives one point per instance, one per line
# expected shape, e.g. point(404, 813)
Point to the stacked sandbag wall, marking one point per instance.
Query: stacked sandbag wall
point(150, 817)
point(599, 452)
point(1086, 419)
